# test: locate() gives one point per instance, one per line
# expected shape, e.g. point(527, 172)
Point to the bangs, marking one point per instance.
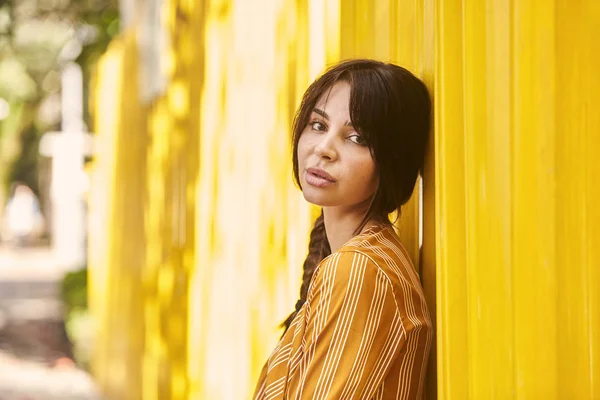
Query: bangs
point(369, 103)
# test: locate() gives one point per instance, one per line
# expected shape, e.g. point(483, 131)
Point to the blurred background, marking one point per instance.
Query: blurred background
point(151, 238)
point(48, 50)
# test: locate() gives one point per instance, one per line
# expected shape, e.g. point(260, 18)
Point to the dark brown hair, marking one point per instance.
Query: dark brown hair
point(390, 108)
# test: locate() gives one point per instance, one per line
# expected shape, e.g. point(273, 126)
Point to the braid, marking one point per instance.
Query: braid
point(318, 249)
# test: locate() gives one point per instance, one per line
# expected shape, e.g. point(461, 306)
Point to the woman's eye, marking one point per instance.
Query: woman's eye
point(357, 139)
point(317, 126)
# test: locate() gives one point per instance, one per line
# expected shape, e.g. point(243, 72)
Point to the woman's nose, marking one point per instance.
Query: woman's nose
point(326, 147)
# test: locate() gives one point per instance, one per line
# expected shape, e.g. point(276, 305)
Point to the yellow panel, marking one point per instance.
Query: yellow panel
point(590, 123)
point(251, 222)
point(577, 142)
point(107, 81)
point(487, 198)
point(517, 309)
point(115, 295)
point(534, 266)
point(450, 187)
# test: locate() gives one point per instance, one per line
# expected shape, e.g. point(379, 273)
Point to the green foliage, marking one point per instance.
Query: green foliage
point(33, 34)
point(78, 322)
point(24, 169)
point(74, 291)
point(79, 327)
point(15, 83)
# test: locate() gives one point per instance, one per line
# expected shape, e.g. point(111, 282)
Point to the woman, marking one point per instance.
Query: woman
point(361, 329)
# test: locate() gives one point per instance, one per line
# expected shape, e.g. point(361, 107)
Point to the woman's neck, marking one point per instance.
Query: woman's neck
point(342, 226)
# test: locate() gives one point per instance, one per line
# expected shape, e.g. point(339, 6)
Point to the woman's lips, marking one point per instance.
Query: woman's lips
point(318, 178)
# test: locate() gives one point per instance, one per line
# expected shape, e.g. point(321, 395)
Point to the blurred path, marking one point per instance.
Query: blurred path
point(33, 342)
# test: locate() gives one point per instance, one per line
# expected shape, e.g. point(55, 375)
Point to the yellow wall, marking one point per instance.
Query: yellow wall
point(517, 226)
point(117, 236)
point(198, 234)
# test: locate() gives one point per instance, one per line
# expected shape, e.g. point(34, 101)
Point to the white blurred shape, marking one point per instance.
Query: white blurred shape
point(71, 50)
point(4, 109)
point(49, 110)
point(69, 183)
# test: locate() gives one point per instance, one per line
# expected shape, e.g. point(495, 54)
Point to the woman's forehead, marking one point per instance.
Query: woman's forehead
point(336, 98)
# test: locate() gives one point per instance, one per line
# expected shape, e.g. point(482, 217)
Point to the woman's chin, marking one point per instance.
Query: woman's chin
point(317, 199)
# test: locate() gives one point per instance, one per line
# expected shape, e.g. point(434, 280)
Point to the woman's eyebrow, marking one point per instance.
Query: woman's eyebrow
point(326, 116)
point(321, 113)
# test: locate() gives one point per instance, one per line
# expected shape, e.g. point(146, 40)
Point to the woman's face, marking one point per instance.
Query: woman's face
point(335, 166)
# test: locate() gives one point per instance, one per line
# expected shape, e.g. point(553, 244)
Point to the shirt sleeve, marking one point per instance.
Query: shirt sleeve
point(354, 331)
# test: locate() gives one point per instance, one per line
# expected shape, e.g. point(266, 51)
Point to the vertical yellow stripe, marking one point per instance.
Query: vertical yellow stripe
point(577, 128)
point(591, 62)
point(453, 346)
point(534, 233)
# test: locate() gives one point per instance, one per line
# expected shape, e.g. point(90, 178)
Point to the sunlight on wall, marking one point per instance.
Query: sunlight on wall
point(251, 222)
point(117, 240)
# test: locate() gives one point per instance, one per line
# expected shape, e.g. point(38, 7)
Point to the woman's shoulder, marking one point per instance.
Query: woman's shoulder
point(379, 256)
point(381, 246)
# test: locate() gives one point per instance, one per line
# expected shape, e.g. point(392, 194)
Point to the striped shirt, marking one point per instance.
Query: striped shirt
point(363, 333)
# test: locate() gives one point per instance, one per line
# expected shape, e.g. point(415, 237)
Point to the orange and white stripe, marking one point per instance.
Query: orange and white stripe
point(363, 333)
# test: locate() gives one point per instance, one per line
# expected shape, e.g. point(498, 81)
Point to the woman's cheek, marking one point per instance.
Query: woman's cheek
point(368, 168)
